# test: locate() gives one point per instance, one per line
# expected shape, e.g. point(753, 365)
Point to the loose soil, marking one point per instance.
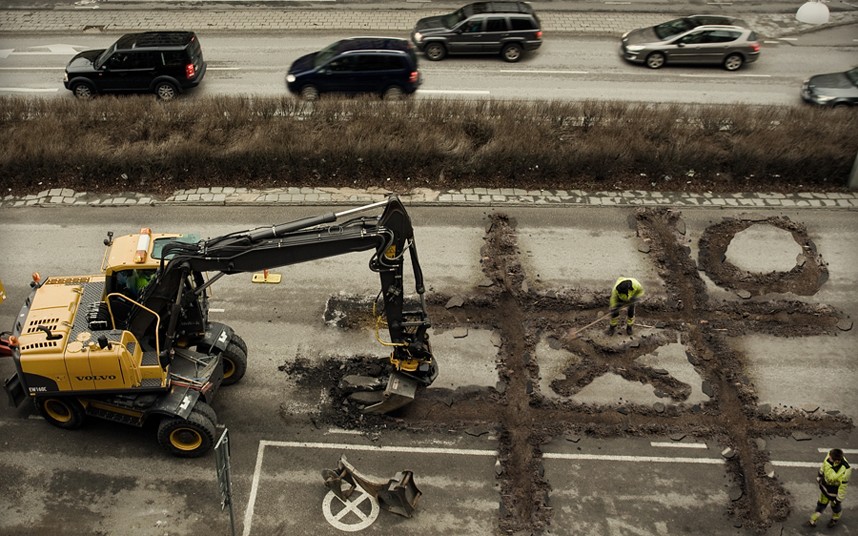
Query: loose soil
point(524, 419)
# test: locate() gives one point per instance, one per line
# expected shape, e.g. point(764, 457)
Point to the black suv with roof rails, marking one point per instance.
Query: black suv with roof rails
point(163, 63)
point(505, 28)
point(383, 65)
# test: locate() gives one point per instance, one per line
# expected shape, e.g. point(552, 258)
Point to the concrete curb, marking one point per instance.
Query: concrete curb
point(229, 196)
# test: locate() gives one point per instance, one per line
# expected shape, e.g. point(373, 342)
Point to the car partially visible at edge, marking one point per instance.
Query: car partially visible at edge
point(832, 89)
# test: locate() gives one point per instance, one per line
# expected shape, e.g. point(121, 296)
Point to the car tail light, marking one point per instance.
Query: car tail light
point(414, 77)
point(539, 34)
point(755, 47)
point(190, 71)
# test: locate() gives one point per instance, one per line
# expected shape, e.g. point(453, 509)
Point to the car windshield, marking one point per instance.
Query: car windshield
point(104, 55)
point(853, 76)
point(324, 55)
point(456, 17)
point(666, 30)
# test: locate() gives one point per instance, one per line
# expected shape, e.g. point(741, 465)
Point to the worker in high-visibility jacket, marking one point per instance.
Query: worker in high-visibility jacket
point(833, 477)
point(625, 293)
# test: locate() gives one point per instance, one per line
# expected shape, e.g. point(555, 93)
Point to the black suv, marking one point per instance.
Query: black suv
point(508, 28)
point(164, 63)
point(383, 65)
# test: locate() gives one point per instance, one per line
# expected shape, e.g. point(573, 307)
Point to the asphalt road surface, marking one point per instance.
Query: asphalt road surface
point(108, 479)
point(565, 68)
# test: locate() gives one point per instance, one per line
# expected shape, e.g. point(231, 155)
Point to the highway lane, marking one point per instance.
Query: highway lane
point(565, 68)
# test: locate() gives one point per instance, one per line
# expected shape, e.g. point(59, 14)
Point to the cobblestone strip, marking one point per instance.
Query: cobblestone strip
point(581, 23)
point(62, 197)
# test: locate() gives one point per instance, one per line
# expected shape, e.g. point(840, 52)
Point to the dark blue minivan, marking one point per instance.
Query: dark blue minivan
point(386, 66)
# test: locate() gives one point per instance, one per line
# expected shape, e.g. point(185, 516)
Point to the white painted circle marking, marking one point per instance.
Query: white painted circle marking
point(351, 510)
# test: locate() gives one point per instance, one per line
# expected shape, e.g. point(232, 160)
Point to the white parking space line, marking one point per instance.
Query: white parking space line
point(678, 445)
point(32, 68)
point(257, 472)
point(788, 38)
point(845, 451)
point(619, 458)
point(223, 68)
point(216, 310)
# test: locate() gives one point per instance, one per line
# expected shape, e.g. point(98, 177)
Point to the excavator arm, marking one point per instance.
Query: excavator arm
point(388, 235)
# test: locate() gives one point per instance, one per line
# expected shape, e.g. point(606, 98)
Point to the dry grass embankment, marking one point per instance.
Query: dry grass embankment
point(138, 144)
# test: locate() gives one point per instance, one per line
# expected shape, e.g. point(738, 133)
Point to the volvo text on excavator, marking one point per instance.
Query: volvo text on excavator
point(135, 342)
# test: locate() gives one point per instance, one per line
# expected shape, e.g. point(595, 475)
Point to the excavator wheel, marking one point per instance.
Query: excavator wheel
point(205, 410)
point(239, 342)
point(64, 412)
point(234, 363)
point(187, 438)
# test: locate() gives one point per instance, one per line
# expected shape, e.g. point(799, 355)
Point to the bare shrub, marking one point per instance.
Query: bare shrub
point(137, 142)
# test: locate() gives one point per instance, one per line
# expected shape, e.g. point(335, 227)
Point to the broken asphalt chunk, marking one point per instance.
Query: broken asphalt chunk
point(574, 438)
point(460, 333)
point(769, 469)
point(486, 282)
point(679, 436)
point(845, 324)
point(801, 436)
point(728, 453)
point(744, 294)
point(455, 301)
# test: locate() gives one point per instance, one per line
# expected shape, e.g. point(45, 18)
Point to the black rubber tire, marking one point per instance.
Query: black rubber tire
point(435, 51)
point(187, 438)
point(512, 52)
point(83, 91)
point(656, 60)
point(166, 91)
point(204, 409)
point(239, 342)
point(309, 93)
point(393, 93)
point(62, 412)
point(234, 364)
point(734, 62)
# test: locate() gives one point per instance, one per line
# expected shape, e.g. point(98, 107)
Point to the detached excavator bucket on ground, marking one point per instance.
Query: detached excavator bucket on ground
point(400, 391)
point(398, 494)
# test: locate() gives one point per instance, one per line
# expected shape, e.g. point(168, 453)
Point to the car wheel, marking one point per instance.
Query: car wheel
point(733, 62)
point(435, 51)
point(511, 52)
point(166, 91)
point(393, 93)
point(309, 93)
point(83, 90)
point(655, 60)
point(187, 438)
point(841, 105)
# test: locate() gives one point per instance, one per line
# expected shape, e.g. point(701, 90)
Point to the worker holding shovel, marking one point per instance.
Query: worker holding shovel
point(626, 292)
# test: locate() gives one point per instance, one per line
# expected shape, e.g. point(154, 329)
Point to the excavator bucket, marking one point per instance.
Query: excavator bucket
point(398, 494)
point(400, 391)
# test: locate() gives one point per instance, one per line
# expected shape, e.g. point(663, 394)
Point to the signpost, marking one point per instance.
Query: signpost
point(223, 478)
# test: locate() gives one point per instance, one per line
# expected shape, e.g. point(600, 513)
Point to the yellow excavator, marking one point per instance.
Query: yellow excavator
point(135, 342)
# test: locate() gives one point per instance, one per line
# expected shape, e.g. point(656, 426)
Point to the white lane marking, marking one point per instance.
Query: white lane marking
point(724, 76)
point(216, 310)
point(845, 451)
point(454, 91)
point(619, 458)
point(771, 42)
point(224, 68)
point(58, 49)
point(28, 90)
point(32, 68)
point(342, 431)
point(540, 71)
point(678, 445)
point(788, 38)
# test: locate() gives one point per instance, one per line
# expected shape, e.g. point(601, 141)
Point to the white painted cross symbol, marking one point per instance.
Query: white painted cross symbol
point(351, 510)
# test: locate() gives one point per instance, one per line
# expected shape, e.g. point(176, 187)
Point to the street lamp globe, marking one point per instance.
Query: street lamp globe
point(812, 12)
